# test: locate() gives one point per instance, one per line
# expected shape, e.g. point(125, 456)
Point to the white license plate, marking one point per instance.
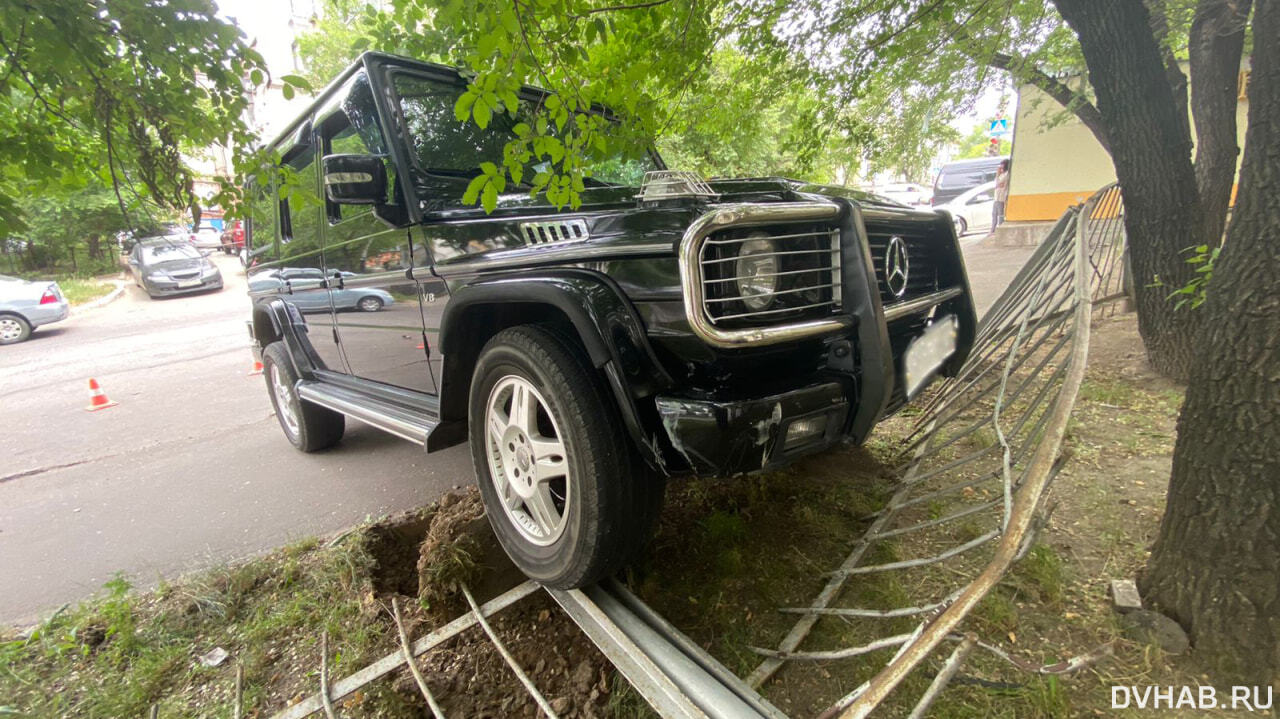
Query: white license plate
point(928, 352)
point(189, 283)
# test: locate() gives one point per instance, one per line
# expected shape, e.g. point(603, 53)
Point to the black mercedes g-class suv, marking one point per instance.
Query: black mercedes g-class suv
point(668, 325)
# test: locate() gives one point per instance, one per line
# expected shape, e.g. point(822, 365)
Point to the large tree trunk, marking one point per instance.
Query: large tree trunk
point(1215, 46)
point(1216, 563)
point(1151, 150)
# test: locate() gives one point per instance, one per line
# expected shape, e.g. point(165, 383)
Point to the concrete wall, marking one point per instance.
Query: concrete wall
point(1058, 165)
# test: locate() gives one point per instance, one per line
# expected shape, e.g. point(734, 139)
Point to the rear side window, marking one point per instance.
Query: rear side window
point(262, 232)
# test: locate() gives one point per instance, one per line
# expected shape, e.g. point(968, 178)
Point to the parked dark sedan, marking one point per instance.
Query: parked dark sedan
point(163, 267)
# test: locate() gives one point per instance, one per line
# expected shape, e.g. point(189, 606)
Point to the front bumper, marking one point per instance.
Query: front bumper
point(727, 437)
point(157, 289)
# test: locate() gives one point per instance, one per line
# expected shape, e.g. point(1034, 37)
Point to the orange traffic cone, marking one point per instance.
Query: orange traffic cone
point(257, 369)
point(97, 398)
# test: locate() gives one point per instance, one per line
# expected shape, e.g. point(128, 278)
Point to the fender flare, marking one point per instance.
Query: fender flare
point(608, 326)
point(289, 325)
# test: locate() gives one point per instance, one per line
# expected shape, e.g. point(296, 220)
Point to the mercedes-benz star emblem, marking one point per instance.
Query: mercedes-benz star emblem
point(896, 266)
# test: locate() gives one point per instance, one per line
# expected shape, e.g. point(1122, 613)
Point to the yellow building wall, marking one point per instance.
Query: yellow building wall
point(1054, 167)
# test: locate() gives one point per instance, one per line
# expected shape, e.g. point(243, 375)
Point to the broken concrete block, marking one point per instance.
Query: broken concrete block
point(1124, 594)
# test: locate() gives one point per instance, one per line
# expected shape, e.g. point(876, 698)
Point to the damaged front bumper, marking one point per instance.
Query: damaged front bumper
point(727, 437)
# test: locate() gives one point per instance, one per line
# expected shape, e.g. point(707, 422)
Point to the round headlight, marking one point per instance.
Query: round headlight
point(756, 270)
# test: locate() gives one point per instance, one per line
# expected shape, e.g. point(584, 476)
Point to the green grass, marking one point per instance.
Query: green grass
point(124, 652)
point(79, 292)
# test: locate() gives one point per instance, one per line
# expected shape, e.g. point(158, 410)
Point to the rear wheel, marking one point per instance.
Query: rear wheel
point(14, 329)
point(568, 500)
point(309, 427)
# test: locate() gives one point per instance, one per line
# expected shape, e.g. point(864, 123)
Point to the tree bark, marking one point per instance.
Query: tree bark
point(1215, 46)
point(1215, 566)
point(1151, 150)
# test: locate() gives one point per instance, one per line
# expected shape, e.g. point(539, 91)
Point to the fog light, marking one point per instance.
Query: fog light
point(803, 430)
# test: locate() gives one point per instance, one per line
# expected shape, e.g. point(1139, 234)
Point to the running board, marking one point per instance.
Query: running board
point(401, 421)
point(676, 676)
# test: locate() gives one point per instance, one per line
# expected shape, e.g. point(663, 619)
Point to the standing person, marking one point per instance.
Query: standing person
point(1002, 195)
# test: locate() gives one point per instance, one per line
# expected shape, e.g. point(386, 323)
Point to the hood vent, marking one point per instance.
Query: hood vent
point(554, 232)
point(674, 185)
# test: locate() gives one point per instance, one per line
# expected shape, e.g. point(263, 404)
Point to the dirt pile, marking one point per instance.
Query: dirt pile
point(424, 556)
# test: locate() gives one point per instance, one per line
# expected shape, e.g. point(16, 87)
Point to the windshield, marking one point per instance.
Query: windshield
point(443, 146)
point(152, 254)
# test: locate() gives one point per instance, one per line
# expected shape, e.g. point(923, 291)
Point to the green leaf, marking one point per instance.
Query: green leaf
point(462, 108)
point(489, 197)
point(489, 168)
point(483, 113)
point(473, 189)
point(297, 81)
point(287, 91)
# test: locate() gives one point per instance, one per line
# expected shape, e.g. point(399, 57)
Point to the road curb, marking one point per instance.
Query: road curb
point(111, 296)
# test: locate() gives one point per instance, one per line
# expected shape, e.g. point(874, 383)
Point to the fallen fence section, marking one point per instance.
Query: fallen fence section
point(670, 671)
point(970, 497)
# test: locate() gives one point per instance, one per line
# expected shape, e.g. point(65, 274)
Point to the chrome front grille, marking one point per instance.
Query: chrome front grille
point(923, 276)
point(769, 275)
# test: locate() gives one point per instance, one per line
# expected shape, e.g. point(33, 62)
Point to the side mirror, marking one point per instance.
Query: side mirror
point(355, 179)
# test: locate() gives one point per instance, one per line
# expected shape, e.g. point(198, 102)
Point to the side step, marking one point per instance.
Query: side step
point(387, 416)
point(675, 675)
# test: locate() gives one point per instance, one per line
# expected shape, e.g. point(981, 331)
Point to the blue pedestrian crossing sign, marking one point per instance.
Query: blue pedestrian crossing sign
point(999, 128)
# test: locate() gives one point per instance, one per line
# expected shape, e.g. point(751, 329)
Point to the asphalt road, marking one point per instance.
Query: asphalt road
point(191, 468)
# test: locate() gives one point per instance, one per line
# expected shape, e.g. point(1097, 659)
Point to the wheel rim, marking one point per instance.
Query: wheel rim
point(284, 401)
point(10, 329)
point(528, 460)
point(370, 304)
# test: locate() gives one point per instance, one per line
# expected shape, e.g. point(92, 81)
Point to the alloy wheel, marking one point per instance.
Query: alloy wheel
point(528, 460)
point(284, 400)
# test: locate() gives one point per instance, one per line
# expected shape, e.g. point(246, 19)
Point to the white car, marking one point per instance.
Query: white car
point(908, 193)
point(206, 236)
point(972, 209)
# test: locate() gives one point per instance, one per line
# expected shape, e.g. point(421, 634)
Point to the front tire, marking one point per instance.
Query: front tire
point(14, 329)
point(308, 427)
point(369, 304)
point(961, 227)
point(564, 492)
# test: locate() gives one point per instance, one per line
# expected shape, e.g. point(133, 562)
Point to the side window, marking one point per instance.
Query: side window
point(353, 129)
point(356, 240)
point(262, 230)
point(303, 201)
point(301, 211)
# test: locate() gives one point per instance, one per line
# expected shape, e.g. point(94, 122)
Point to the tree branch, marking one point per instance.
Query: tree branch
point(1058, 90)
point(615, 8)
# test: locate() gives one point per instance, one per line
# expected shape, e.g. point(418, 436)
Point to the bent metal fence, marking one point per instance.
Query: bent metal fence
point(978, 462)
point(970, 498)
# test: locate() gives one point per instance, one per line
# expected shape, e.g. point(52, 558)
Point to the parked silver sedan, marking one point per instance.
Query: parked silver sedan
point(26, 305)
point(163, 267)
